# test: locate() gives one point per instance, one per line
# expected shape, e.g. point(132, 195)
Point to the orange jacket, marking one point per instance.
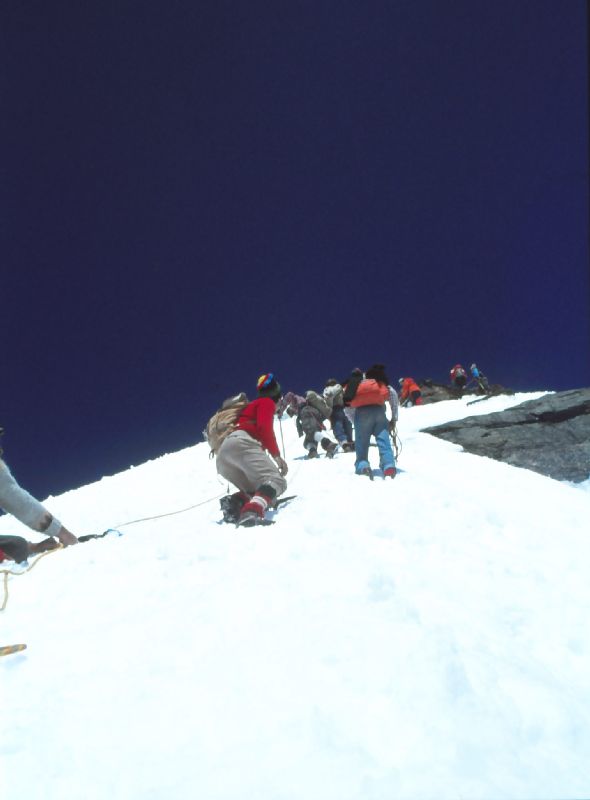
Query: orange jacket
point(370, 393)
point(408, 386)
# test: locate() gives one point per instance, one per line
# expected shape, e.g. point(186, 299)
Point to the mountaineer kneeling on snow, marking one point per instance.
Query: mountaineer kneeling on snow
point(242, 458)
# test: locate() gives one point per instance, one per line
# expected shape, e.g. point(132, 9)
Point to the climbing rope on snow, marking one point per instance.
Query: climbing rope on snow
point(397, 445)
point(28, 568)
point(167, 514)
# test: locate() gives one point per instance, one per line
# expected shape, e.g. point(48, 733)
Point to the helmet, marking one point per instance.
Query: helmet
point(401, 380)
point(473, 366)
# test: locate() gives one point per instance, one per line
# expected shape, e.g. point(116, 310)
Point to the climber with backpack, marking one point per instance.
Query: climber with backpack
point(243, 453)
point(479, 379)
point(458, 377)
point(410, 393)
point(289, 404)
point(310, 421)
point(341, 424)
point(368, 395)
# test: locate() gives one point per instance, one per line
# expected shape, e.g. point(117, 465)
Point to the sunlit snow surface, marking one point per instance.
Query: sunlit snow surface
point(422, 638)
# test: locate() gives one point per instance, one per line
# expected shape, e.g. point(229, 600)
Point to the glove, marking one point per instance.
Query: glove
point(391, 427)
point(282, 465)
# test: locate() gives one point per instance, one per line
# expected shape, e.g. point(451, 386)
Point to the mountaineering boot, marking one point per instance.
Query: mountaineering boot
point(231, 505)
point(332, 451)
point(313, 453)
point(248, 519)
point(367, 471)
point(390, 472)
point(347, 447)
point(329, 447)
point(252, 512)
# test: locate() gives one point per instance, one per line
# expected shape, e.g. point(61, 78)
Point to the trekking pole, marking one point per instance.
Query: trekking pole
point(282, 440)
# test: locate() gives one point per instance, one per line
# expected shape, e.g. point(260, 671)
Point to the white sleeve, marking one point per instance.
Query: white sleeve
point(18, 502)
point(394, 402)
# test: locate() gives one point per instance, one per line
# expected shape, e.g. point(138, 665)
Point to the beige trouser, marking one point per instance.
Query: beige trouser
point(242, 461)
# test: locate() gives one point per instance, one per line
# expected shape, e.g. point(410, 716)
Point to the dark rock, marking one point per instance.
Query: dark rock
point(433, 392)
point(550, 435)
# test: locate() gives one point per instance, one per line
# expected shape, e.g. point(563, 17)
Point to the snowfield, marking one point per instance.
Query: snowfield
point(417, 638)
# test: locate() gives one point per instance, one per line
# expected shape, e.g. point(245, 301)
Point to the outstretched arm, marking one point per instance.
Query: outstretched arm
point(18, 502)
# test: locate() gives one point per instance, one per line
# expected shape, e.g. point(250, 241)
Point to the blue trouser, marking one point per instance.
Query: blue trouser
point(371, 421)
point(341, 425)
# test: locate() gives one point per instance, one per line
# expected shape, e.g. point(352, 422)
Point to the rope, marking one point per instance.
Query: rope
point(168, 513)
point(397, 445)
point(5, 601)
point(396, 442)
point(7, 572)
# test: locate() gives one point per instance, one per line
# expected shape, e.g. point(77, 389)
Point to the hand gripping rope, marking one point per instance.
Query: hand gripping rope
point(86, 538)
point(28, 568)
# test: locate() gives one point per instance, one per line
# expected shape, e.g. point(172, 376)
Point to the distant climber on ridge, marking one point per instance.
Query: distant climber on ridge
point(479, 379)
point(458, 377)
point(410, 393)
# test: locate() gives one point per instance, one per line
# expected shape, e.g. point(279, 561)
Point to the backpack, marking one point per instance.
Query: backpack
point(223, 422)
point(370, 393)
point(319, 403)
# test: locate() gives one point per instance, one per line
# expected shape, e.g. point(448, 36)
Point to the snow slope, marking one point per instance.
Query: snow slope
point(424, 637)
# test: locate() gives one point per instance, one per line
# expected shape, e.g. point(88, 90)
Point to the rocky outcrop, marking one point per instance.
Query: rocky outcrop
point(433, 392)
point(550, 435)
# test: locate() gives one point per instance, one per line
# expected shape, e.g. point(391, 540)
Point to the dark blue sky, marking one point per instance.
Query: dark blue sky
point(196, 193)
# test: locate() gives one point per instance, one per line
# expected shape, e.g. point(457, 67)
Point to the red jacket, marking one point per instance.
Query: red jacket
point(257, 420)
point(408, 386)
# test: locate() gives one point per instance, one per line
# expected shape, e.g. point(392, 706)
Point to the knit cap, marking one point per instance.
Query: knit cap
point(268, 386)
